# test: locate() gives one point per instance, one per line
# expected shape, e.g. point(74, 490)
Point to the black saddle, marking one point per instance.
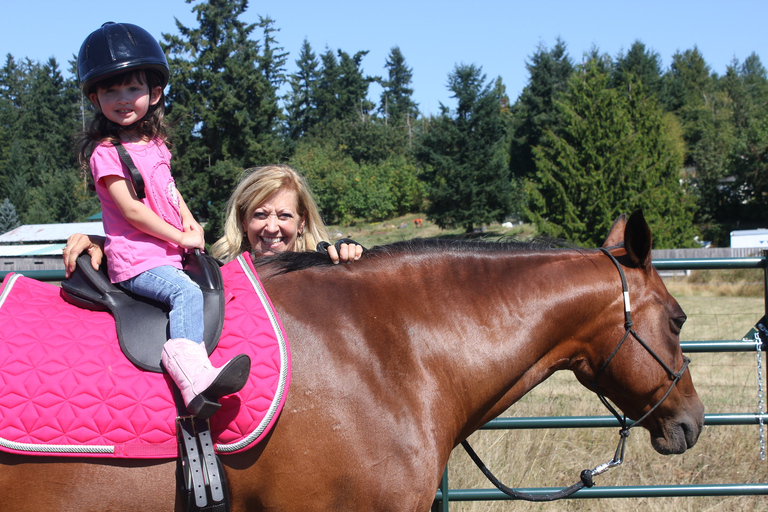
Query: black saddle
point(142, 324)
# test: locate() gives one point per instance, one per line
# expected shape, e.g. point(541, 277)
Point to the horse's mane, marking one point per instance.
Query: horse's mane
point(285, 262)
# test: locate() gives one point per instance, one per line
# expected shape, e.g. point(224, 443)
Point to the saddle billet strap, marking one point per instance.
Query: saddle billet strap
point(138, 181)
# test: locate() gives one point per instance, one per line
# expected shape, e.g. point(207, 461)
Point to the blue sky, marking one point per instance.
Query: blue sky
point(434, 36)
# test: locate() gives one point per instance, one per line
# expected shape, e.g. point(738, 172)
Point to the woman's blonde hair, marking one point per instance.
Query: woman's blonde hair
point(255, 186)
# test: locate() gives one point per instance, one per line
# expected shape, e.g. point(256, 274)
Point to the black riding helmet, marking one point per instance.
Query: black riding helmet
point(115, 48)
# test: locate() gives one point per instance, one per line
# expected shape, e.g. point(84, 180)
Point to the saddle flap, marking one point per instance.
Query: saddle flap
point(204, 270)
point(141, 323)
point(86, 287)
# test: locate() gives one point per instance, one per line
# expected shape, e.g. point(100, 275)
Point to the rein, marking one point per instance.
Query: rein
point(586, 476)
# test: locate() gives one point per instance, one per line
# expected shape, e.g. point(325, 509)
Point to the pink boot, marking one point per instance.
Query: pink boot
point(201, 384)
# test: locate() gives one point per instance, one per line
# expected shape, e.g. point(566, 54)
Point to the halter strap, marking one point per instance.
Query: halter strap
point(674, 376)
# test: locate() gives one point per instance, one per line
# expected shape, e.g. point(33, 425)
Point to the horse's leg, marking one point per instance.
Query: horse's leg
point(43, 484)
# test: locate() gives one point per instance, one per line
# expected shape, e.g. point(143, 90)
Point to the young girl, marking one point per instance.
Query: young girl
point(123, 71)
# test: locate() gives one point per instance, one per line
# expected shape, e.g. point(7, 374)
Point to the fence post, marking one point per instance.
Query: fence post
point(765, 281)
point(442, 504)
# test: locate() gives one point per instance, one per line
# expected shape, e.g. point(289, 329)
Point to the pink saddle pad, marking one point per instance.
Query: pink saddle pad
point(67, 389)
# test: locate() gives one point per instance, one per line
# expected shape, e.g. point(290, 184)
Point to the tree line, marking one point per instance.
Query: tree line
point(582, 143)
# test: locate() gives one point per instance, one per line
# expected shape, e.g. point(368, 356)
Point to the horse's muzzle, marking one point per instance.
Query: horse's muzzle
point(679, 433)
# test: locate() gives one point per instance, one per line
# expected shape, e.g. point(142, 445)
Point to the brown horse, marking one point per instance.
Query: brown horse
point(382, 391)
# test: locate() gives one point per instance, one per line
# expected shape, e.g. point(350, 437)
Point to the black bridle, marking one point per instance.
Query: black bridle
point(586, 477)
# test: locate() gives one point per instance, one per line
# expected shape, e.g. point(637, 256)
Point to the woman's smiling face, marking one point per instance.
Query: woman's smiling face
point(275, 224)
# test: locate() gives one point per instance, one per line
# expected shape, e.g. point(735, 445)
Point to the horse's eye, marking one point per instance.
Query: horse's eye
point(676, 324)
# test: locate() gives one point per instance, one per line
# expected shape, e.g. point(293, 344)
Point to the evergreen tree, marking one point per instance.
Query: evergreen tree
point(747, 193)
point(56, 199)
point(300, 102)
point(342, 90)
point(692, 93)
point(10, 111)
point(47, 122)
point(689, 91)
point(397, 105)
point(534, 112)
point(38, 124)
point(467, 177)
point(8, 218)
point(222, 103)
point(638, 65)
point(688, 81)
point(613, 153)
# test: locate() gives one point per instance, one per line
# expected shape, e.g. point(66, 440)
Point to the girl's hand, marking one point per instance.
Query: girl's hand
point(190, 224)
point(193, 239)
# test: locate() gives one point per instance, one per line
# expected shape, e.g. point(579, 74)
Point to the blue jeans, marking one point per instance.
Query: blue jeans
point(174, 288)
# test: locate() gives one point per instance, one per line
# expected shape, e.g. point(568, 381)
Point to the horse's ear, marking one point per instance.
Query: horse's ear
point(638, 240)
point(616, 234)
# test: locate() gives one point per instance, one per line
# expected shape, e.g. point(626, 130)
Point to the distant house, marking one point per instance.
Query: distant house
point(38, 246)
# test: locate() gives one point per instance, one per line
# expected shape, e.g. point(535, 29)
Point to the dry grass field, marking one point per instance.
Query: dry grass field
point(721, 305)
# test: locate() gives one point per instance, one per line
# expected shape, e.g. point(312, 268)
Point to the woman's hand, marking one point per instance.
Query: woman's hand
point(347, 253)
point(78, 244)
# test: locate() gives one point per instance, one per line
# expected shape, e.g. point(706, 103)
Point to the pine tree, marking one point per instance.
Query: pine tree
point(613, 153)
point(300, 102)
point(638, 65)
point(467, 178)
point(8, 218)
point(342, 90)
point(47, 122)
point(38, 124)
point(747, 195)
point(10, 111)
point(534, 112)
point(222, 103)
point(692, 93)
point(396, 104)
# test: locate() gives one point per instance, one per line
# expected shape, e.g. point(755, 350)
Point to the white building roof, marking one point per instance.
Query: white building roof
point(31, 250)
point(50, 232)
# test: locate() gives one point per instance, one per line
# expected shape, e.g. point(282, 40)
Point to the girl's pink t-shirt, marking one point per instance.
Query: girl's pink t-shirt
point(129, 250)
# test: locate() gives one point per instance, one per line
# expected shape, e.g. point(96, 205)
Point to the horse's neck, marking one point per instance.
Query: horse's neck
point(463, 336)
point(509, 323)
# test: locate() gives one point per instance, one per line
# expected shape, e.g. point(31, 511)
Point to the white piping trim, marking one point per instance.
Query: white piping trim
point(280, 391)
point(46, 448)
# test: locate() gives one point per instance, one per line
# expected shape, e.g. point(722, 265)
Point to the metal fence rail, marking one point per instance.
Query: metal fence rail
point(445, 495)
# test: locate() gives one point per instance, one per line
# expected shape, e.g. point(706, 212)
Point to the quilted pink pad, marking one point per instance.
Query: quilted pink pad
point(67, 389)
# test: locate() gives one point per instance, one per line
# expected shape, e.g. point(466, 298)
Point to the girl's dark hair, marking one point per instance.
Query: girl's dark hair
point(102, 129)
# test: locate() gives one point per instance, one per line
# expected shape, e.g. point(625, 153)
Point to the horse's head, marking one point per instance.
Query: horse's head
point(638, 363)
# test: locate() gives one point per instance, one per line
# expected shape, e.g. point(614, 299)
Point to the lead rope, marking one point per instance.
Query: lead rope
point(760, 403)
